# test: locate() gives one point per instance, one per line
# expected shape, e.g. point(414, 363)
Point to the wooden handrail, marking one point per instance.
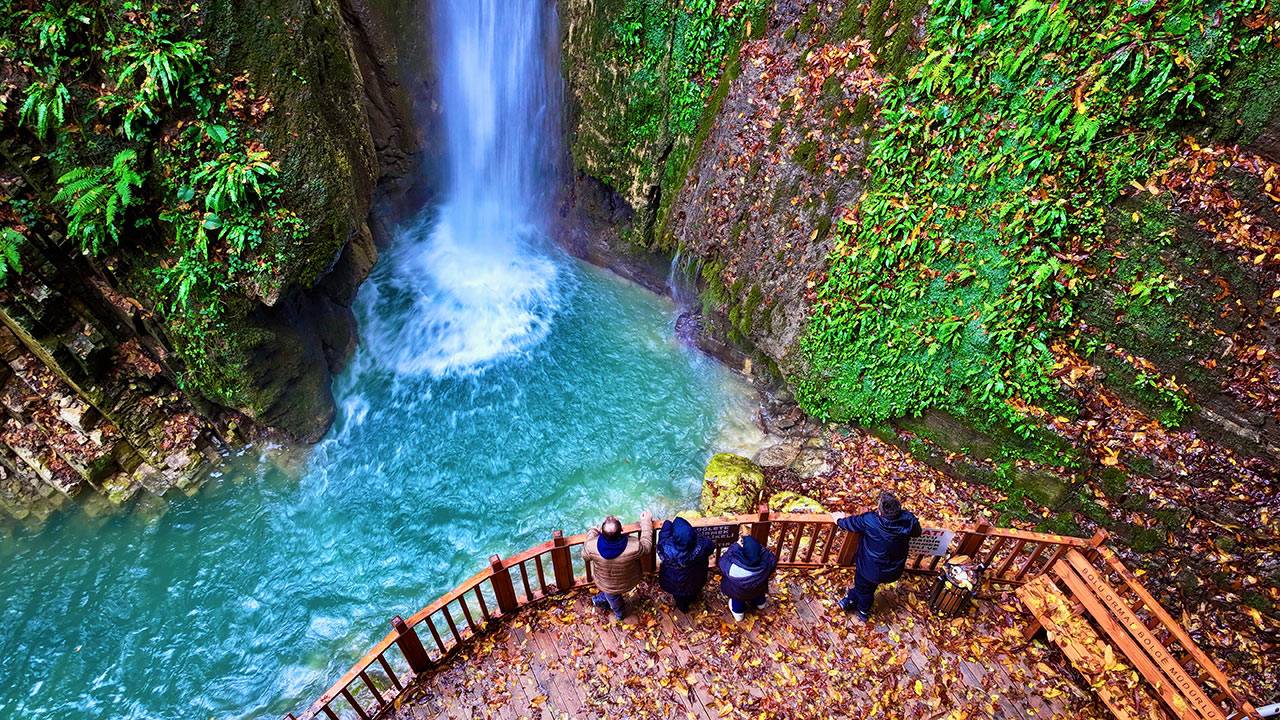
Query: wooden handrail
point(1029, 555)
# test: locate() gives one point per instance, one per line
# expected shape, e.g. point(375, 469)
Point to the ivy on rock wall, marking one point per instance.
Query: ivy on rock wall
point(997, 154)
point(662, 61)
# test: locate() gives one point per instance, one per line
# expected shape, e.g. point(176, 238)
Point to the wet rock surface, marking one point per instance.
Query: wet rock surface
point(731, 485)
point(58, 440)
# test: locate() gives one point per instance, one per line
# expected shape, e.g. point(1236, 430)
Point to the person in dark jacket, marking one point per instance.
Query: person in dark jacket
point(683, 569)
point(745, 569)
point(882, 552)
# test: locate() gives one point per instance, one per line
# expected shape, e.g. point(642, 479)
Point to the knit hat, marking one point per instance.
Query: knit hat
point(752, 553)
point(611, 548)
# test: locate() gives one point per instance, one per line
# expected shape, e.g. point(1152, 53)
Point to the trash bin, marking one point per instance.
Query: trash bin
point(953, 591)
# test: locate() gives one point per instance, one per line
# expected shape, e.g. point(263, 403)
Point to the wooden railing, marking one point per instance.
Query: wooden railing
point(432, 634)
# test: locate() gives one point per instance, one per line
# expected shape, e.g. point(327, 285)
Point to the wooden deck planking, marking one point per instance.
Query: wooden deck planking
point(798, 658)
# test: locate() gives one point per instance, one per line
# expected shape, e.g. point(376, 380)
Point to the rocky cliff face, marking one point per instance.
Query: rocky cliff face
point(95, 395)
point(340, 124)
point(750, 190)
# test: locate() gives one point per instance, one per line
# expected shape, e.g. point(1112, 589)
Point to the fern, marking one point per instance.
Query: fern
point(154, 69)
point(45, 106)
point(234, 180)
point(10, 239)
point(96, 199)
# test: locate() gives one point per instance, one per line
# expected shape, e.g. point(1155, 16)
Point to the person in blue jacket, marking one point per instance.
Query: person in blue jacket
point(683, 555)
point(745, 569)
point(882, 553)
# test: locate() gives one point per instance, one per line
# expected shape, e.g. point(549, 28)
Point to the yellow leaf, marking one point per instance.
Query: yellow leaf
point(1253, 613)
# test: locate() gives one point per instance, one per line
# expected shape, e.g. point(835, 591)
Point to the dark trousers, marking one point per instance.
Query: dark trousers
point(743, 606)
point(616, 603)
point(684, 601)
point(862, 594)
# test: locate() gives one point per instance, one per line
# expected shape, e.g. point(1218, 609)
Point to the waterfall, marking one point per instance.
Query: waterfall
point(482, 279)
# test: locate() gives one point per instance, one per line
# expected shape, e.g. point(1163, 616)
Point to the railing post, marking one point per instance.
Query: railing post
point(503, 589)
point(848, 549)
point(760, 528)
point(1098, 540)
point(410, 646)
point(972, 541)
point(561, 562)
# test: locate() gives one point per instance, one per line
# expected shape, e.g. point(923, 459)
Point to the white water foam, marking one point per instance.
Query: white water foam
point(482, 279)
point(478, 294)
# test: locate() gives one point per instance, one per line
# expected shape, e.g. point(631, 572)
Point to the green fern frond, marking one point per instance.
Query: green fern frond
point(10, 259)
point(97, 198)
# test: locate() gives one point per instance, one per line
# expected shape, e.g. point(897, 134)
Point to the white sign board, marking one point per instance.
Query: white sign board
point(933, 541)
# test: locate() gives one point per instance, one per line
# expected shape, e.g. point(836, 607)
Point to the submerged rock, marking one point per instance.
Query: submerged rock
point(731, 485)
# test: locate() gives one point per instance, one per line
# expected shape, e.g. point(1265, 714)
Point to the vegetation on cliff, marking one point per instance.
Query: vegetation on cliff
point(155, 167)
point(652, 83)
point(1035, 244)
point(999, 153)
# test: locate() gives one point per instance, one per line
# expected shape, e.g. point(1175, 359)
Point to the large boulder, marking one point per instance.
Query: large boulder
point(731, 485)
point(780, 454)
point(787, 501)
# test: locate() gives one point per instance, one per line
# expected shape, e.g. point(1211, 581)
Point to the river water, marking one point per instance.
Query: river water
point(501, 390)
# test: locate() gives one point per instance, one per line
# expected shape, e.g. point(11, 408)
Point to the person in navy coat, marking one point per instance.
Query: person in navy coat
point(882, 553)
point(683, 568)
point(745, 569)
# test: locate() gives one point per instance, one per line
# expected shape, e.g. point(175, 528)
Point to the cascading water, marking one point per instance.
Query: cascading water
point(500, 391)
point(483, 281)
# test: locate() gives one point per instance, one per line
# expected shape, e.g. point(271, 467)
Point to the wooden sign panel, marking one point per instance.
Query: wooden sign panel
point(933, 541)
point(721, 535)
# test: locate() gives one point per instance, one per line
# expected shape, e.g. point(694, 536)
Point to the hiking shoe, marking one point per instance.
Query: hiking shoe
point(599, 602)
point(738, 617)
point(845, 604)
point(861, 618)
point(618, 616)
point(762, 604)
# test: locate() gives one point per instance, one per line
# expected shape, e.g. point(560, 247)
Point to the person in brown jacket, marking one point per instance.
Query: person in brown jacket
point(615, 560)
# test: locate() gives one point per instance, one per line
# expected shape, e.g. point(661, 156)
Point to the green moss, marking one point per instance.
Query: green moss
point(1257, 601)
point(749, 308)
point(1250, 98)
point(823, 228)
point(1062, 523)
point(792, 502)
point(714, 294)
point(1143, 540)
point(806, 155)
point(809, 19)
point(775, 134)
point(849, 23)
point(731, 485)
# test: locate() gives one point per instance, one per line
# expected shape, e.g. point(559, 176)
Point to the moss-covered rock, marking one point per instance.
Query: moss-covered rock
point(337, 122)
point(793, 502)
point(731, 485)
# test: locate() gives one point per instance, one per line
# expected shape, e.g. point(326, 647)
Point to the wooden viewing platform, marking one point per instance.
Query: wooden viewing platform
point(474, 653)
